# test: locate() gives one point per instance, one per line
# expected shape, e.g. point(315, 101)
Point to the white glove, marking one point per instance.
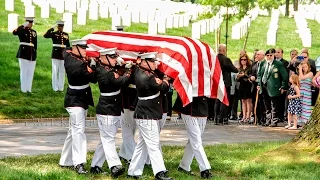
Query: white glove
point(128, 65)
point(54, 26)
point(120, 61)
point(25, 24)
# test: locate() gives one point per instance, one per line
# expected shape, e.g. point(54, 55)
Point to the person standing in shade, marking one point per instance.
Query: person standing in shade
point(60, 42)
point(77, 100)
point(108, 112)
point(147, 114)
point(227, 67)
point(27, 53)
point(272, 81)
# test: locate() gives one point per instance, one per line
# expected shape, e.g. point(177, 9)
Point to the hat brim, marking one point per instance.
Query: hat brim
point(112, 55)
point(150, 59)
point(83, 46)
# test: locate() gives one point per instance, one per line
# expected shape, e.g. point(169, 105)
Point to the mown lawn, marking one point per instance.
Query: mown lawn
point(267, 160)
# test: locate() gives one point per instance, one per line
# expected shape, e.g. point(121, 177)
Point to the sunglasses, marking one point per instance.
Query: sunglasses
point(243, 59)
point(269, 55)
point(305, 57)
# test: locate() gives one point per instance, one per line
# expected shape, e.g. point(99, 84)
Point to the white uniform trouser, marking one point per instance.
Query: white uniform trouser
point(161, 125)
point(148, 144)
point(128, 128)
point(106, 149)
point(195, 127)
point(74, 150)
point(26, 74)
point(58, 74)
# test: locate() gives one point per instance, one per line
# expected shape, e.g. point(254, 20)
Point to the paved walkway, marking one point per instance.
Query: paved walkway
point(41, 138)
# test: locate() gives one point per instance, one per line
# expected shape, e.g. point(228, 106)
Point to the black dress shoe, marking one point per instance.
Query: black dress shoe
point(273, 125)
point(206, 174)
point(185, 171)
point(162, 176)
point(67, 167)
point(233, 118)
point(97, 170)
point(80, 169)
point(116, 171)
point(133, 177)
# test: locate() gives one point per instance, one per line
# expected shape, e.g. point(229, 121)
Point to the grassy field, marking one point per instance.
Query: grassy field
point(44, 102)
point(267, 160)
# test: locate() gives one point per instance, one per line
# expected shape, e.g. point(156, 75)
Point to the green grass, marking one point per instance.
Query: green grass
point(265, 160)
point(46, 103)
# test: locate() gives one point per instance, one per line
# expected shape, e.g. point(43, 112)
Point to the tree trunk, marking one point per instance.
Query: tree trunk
point(287, 8)
point(192, 1)
point(295, 5)
point(310, 134)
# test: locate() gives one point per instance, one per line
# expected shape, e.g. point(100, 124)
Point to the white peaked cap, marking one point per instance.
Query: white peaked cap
point(60, 22)
point(150, 55)
point(109, 51)
point(29, 18)
point(79, 42)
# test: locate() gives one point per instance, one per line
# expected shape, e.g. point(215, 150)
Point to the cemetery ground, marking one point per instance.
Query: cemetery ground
point(263, 160)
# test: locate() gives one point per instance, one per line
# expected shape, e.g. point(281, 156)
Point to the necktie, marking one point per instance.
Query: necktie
point(265, 74)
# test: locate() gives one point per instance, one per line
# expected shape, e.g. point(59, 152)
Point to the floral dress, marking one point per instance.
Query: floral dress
point(294, 106)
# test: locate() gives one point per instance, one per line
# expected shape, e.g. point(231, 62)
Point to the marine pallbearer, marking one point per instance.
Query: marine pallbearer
point(27, 53)
point(60, 41)
point(77, 100)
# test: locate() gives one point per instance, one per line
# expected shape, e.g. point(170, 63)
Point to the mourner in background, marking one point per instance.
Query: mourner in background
point(77, 100)
point(27, 53)
point(108, 112)
point(60, 41)
point(147, 114)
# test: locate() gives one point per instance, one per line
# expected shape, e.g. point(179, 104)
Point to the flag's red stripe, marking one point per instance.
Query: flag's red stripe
point(200, 68)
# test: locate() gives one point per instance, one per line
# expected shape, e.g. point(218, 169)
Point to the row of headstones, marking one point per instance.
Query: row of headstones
point(205, 26)
point(273, 27)
point(303, 30)
point(240, 29)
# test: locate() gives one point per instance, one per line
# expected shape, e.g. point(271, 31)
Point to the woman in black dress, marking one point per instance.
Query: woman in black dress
point(245, 87)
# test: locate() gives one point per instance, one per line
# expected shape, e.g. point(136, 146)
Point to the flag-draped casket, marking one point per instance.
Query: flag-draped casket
point(192, 63)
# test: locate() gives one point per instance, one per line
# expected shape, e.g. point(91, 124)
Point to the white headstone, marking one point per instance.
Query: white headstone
point(60, 7)
point(151, 16)
point(203, 25)
point(67, 17)
point(271, 37)
point(143, 16)
point(104, 10)
point(126, 18)
point(27, 3)
point(29, 11)
point(84, 4)
point(235, 31)
point(176, 21)
point(162, 25)
point(208, 25)
point(152, 27)
point(12, 21)
point(45, 10)
point(113, 10)
point(136, 16)
point(71, 6)
point(196, 30)
point(10, 5)
point(82, 16)
point(186, 20)
point(93, 10)
point(181, 20)
point(116, 21)
point(169, 23)
point(211, 25)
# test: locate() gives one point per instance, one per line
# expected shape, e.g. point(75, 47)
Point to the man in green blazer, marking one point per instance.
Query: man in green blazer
point(272, 81)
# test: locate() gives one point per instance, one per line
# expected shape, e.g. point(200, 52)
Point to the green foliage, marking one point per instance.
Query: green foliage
point(269, 4)
point(207, 15)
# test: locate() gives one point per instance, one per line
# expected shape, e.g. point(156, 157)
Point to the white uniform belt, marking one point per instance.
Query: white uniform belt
point(59, 45)
point(27, 44)
point(149, 97)
point(79, 87)
point(132, 86)
point(111, 94)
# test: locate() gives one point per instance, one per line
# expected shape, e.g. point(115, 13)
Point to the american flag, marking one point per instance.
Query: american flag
point(192, 63)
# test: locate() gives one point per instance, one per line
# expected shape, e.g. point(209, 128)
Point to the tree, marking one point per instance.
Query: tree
point(269, 4)
point(287, 8)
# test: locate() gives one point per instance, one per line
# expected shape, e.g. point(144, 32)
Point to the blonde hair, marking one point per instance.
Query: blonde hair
point(309, 67)
point(295, 79)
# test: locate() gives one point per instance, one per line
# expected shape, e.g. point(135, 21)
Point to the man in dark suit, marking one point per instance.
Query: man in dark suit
point(27, 53)
point(227, 67)
point(283, 109)
point(272, 82)
point(60, 41)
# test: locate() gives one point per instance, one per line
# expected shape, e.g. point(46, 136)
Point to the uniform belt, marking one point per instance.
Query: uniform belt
point(27, 44)
point(111, 94)
point(132, 86)
point(79, 87)
point(149, 97)
point(59, 45)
